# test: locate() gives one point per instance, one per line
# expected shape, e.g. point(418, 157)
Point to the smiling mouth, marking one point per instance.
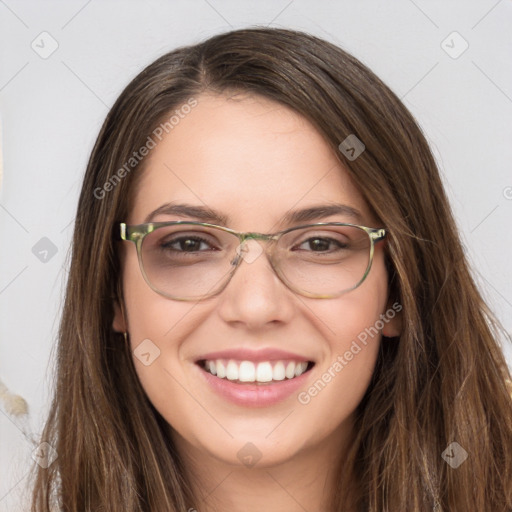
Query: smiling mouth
point(263, 372)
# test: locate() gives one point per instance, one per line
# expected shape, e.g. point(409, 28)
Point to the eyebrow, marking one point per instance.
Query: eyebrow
point(206, 214)
point(202, 213)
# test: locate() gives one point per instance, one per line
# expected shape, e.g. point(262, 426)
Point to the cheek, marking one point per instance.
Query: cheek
point(351, 326)
point(156, 320)
point(151, 315)
point(157, 328)
point(353, 316)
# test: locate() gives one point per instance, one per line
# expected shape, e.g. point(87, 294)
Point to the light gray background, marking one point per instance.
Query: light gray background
point(52, 109)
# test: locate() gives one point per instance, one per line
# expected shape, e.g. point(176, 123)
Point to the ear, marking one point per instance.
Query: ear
point(393, 326)
point(119, 322)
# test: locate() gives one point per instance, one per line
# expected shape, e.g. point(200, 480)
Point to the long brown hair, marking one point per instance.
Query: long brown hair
point(442, 380)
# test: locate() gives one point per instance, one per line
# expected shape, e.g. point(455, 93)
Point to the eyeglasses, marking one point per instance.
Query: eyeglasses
point(185, 260)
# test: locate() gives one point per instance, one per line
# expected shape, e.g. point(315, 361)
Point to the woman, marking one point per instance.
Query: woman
point(347, 362)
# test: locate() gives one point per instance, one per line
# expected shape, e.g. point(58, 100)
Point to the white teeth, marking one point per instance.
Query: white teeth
point(232, 371)
point(264, 372)
point(221, 369)
point(278, 371)
point(247, 371)
point(300, 368)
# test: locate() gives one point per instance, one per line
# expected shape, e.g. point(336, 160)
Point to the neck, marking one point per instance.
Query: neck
point(307, 481)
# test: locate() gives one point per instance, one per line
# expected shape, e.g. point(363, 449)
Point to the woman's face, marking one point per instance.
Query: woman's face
point(252, 161)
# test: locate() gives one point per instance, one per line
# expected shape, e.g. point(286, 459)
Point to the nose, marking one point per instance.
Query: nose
point(255, 296)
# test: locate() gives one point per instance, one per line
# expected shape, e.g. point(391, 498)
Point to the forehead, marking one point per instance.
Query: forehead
point(247, 157)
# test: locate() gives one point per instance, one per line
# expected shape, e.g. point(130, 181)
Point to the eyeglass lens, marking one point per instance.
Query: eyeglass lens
point(193, 261)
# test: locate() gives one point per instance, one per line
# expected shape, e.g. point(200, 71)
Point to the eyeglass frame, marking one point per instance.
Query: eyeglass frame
point(137, 232)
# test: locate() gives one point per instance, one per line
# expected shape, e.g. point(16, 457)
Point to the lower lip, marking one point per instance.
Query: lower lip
point(254, 395)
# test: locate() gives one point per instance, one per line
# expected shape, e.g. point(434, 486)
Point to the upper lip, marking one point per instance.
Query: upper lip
point(244, 354)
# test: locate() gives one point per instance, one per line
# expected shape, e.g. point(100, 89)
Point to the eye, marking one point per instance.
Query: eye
point(186, 244)
point(321, 244)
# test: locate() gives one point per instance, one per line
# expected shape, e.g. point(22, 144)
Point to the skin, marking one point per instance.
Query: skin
point(253, 160)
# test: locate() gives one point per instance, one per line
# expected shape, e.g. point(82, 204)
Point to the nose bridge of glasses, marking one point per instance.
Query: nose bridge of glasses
point(248, 240)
